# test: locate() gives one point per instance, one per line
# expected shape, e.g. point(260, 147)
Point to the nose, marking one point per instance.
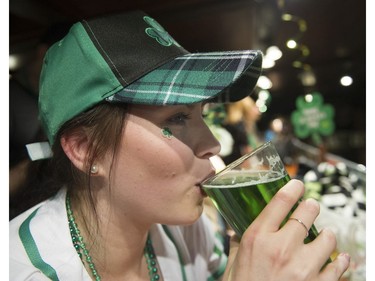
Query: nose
point(207, 145)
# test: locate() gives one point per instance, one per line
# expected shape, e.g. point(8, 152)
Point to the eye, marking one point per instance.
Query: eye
point(179, 119)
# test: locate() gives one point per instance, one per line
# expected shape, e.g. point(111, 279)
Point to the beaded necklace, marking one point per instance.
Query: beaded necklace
point(80, 247)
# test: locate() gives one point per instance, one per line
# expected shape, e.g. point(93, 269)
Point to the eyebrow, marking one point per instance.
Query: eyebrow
point(190, 106)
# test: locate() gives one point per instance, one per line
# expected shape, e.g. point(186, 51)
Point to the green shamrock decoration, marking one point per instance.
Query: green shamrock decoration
point(157, 32)
point(313, 118)
point(167, 133)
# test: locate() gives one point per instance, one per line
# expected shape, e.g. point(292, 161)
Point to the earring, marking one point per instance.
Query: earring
point(166, 132)
point(94, 169)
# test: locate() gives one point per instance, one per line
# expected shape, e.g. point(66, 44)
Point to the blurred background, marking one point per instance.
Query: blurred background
point(326, 38)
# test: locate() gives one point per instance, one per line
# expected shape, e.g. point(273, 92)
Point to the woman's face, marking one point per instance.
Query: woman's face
point(156, 179)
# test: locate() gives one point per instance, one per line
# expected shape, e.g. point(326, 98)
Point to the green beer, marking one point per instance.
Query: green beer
point(240, 196)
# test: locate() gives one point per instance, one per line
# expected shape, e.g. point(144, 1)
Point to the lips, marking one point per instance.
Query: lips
point(201, 191)
point(204, 194)
point(211, 174)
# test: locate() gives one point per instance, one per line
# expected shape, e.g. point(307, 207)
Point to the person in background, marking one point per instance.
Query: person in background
point(280, 132)
point(121, 103)
point(240, 122)
point(24, 125)
point(251, 115)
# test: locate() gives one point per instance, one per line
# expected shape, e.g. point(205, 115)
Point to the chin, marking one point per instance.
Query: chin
point(197, 214)
point(193, 216)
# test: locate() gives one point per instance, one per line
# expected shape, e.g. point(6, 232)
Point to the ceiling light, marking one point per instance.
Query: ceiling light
point(287, 17)
point(308, 78)
point(274, 53)
point(264, 83)
point(297, 64)
point(259, 103)
point(263, 95)
point(262, 108)
point(267, 62)
point(346, 80)
point(277, 125)
point(14, 62)
point(291, 44)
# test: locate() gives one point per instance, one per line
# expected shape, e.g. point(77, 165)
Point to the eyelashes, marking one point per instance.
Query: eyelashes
point(179, 119)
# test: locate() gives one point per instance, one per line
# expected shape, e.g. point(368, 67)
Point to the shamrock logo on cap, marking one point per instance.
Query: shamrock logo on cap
point(157, 32)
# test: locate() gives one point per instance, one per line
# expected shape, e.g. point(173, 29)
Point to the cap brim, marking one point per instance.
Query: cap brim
point(192, 78)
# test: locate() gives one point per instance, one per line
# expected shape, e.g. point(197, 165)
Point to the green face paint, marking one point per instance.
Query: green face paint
point(166, 132)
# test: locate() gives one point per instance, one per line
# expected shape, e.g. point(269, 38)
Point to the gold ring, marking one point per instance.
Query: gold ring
point(304, 226)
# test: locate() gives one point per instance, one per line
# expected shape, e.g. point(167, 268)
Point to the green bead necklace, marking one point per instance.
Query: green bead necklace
point(80, 247)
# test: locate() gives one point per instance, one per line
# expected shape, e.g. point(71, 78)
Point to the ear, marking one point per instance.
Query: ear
point(75, 146)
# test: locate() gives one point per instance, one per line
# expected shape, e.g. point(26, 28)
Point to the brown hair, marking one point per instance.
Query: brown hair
point(103, 125)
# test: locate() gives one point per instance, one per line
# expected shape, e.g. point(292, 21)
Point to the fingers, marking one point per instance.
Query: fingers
point(322, 248)
point(230, 271)
point(278, 251)
point(280, 205)
point(234, 246)
point(335, 269)
point(302, 219)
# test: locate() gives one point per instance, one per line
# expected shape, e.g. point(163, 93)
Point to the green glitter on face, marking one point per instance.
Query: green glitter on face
point(167, 133)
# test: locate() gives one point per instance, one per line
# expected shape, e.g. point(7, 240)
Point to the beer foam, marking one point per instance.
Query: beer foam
point(262, 178)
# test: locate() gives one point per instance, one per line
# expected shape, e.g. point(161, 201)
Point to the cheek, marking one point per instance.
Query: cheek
point(155, 176)
point(152, 157)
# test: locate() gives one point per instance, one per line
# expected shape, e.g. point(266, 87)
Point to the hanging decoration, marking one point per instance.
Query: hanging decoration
point(295, 41)
point(313, 118)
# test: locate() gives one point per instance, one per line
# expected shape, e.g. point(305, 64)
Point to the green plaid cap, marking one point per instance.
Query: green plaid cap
point(196, 77)
point(131, 58)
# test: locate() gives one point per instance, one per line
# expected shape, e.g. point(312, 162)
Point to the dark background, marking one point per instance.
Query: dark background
point(335, 36)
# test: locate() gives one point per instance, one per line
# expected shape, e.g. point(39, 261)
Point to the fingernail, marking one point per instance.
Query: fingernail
point(312, 203)
point(293, 185)
point(345, 256)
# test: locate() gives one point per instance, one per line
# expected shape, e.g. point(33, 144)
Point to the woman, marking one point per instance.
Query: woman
point(240, 122)
point(121, 103)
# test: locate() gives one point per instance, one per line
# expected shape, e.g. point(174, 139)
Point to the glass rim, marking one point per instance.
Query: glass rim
point(238, 161)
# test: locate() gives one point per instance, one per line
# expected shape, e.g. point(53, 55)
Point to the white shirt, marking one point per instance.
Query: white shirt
point(184, 253)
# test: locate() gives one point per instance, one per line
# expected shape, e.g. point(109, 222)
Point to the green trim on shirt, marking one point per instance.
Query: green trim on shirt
point(215, 275)
point(32, 249)
point(221, 269)
point(170, 236)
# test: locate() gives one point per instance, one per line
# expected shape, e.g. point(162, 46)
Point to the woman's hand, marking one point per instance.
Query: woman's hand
point(267, 252)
